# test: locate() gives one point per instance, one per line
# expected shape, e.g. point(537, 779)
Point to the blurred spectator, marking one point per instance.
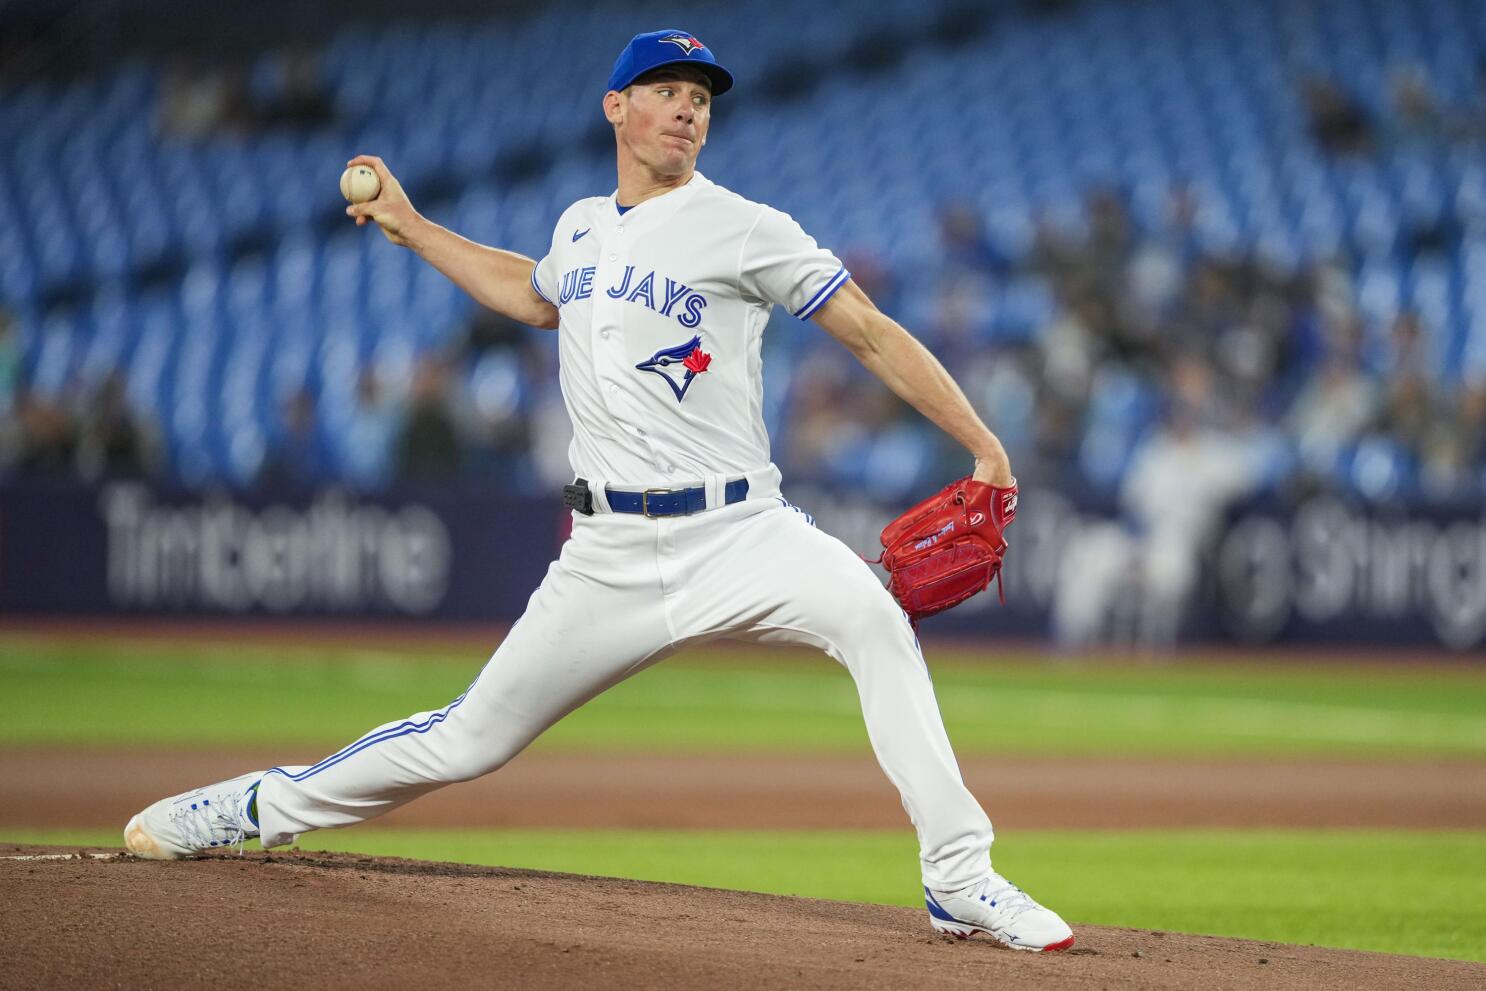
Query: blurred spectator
point(299, 98)
point(112, 443)
point(428, 450)
point(966, 248)
point(825, 421)
point(1454, 450)
point(10, 361)
point(299, 456)
point(1415, 119)
point(959, 329)
point(1332, 409)
point(1110, 242)
point(1337, 121)
point(366, 451)
point(47, 445)
point(877, 280)
point(1180, 482)
point(199, 101)
point(1470, 123)
point(1159, 263)
point(190, 106)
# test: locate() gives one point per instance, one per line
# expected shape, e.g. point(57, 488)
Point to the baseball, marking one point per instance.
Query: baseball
point(359, 184)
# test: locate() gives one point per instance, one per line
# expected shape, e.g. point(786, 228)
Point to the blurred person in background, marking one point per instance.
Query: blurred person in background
point(1337, 121)
point(47, 438)
point(1181, 481)
point(10, 361)
point(1454, 454)
point(299, 455)
point(366, 442)
point(1415, 121)
point(494, 407)
point(198, 101)
point(966, 250)
point(1336, 404)
point(10, 381)
point(299, 99)
point(824, 419)
point(112, 442)
point(428, 448)
point(958, 329)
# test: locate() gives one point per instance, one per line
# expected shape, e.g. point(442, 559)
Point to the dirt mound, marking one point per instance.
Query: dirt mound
point(272, 920)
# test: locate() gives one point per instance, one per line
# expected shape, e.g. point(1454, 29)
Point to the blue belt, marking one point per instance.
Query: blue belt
point(672, 502)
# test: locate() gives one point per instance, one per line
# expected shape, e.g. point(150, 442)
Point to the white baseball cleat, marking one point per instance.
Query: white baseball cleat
point(195, 821)
point(995, 906)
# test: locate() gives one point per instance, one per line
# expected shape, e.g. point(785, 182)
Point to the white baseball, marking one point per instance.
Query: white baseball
point(359, 184)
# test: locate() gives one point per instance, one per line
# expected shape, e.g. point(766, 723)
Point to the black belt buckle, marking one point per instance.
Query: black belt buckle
point(645, 501)
point(578, 496)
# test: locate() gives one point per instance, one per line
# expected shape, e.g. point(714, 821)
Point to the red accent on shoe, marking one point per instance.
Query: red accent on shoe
point(1061, 945)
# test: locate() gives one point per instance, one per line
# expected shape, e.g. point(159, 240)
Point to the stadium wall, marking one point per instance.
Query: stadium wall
point(1325, 570)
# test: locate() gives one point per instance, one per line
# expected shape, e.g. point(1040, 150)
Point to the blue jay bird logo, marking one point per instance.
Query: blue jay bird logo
point(686, 43)
point(688, 357)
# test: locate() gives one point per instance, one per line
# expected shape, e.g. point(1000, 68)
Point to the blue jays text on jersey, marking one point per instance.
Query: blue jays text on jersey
point(670, 297)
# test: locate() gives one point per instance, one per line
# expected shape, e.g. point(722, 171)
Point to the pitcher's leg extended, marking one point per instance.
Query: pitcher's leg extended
point(806, 587)
point(595, 620)
point(544, 669)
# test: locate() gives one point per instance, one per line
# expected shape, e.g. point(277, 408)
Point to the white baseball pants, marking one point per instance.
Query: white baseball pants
point(626, 592)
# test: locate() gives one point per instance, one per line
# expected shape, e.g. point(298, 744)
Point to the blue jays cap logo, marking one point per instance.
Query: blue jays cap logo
point(668, 46)
point(688, 358)
point(686, 43)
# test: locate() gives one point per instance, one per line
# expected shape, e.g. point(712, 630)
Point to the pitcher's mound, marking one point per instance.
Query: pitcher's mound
point(76, 918)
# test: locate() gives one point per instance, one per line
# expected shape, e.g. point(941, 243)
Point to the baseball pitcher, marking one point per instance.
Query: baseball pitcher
point(659, 294)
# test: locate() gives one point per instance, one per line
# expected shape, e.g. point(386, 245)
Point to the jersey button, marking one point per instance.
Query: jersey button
point(619, 230)
point(612, 256)
point(604, 334)
point(670, 469)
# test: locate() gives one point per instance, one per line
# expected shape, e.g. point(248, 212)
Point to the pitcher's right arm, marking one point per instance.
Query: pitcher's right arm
point(499, 279)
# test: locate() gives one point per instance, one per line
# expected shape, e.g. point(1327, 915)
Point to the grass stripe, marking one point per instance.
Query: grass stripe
point(137, 693)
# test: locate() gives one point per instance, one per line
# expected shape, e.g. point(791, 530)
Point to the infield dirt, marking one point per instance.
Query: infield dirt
point(65, 787)
point(343, 921)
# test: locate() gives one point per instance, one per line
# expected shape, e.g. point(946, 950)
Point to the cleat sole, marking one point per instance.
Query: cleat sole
point(964, 931)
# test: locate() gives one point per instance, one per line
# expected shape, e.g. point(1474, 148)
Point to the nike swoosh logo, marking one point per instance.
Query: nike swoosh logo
point(578, 234)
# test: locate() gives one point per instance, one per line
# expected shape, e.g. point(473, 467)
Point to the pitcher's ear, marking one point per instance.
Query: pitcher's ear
point(614, 106)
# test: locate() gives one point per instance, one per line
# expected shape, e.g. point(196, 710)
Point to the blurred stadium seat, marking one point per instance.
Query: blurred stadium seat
point(218, 272)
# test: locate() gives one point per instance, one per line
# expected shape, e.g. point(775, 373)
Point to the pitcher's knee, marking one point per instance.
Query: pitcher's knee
point(876, 622)
point(464, 749)
point(477, 756)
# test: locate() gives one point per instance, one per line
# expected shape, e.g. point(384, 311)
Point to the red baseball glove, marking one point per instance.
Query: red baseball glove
point(948, 547)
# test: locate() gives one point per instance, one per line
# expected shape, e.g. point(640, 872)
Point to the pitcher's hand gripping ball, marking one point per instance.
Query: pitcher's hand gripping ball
point(948, 547)
point(359, 184)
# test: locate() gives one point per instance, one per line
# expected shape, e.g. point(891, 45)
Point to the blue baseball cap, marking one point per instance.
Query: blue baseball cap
point(668, 46)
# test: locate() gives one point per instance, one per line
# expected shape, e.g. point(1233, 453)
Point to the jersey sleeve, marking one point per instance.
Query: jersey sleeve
point(782, 264)
point(544, 278)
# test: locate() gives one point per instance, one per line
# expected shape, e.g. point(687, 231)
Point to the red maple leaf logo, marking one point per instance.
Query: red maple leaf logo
point(697, 361)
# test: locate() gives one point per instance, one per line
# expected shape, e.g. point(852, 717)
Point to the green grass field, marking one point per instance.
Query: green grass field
point(165, 693)
point(1406, 892)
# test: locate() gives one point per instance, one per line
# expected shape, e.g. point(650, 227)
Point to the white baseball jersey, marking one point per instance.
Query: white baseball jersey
point(661, 318)
point(661, 315)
